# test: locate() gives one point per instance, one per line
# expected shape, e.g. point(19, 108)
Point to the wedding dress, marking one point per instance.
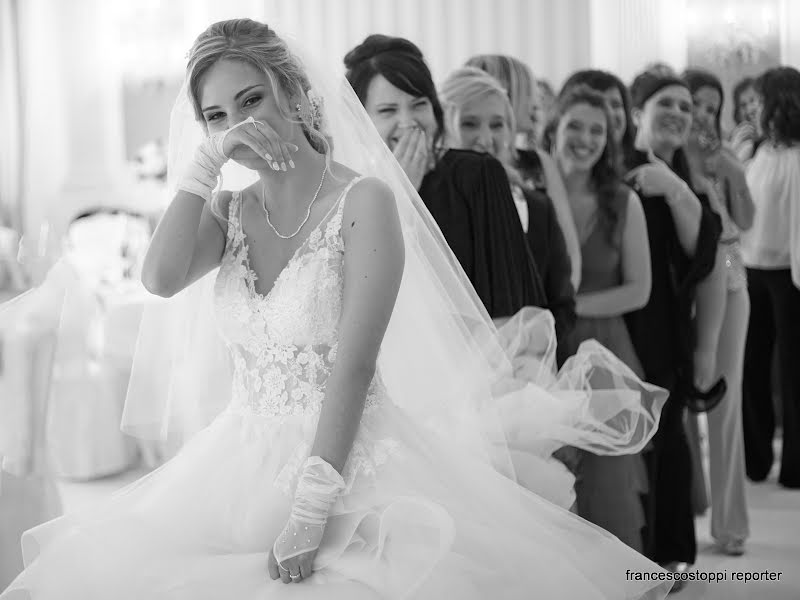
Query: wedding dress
point(417, 519)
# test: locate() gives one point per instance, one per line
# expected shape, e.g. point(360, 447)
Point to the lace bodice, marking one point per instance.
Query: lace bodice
point(284, 343)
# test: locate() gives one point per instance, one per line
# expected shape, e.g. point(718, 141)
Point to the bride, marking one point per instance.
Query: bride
point(357, 444)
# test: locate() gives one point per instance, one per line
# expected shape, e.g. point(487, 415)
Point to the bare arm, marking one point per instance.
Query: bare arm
point(634, 292)
point(373, 268)
point(558, 195)
point(710, 300)
point(741, 202)
point(188, 243)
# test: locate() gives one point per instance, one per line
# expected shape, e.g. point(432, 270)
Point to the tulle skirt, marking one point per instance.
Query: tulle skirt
point(416, 521)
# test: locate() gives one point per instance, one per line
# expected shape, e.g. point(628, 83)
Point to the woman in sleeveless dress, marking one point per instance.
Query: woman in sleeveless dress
point(615, 280)
point(351, 458)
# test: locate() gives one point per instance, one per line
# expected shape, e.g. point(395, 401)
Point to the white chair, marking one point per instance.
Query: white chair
point(28, 492)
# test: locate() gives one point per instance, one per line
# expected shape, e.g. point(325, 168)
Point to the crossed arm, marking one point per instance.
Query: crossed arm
point(634, 291)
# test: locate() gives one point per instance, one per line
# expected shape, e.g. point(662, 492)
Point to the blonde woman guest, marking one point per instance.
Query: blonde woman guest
point(537, 168)
point(479, 117)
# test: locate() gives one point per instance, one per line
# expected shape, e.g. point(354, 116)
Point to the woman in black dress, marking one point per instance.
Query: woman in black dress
point(479, 117)
point(684, 233)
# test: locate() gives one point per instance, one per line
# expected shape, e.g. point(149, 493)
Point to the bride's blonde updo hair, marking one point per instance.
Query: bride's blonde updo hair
point(256, 44)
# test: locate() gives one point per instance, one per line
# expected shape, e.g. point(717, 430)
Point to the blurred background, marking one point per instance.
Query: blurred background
point(86, 85)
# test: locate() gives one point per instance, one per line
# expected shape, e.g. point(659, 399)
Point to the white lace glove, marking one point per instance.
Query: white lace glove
point(201, 175)
point(317, 490)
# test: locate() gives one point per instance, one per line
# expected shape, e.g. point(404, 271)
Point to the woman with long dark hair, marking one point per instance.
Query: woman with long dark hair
point(616, 279)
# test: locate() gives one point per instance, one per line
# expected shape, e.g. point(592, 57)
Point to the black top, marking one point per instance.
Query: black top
point(663, 331)
point(529, 165)
point(549, 250)
point(469, 196)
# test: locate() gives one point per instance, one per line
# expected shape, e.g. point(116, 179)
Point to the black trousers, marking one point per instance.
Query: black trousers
point(669, 534)
point(774, 325)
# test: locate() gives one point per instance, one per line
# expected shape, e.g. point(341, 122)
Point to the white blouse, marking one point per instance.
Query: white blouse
point(773, 242)
point(522, 206)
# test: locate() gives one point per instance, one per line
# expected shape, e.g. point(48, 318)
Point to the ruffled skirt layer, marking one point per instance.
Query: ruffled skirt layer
point(417, 521)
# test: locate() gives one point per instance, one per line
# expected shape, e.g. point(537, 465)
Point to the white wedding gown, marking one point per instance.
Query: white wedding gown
point(417, 520)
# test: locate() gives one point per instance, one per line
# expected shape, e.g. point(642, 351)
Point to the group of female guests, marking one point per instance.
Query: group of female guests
point(623, 220)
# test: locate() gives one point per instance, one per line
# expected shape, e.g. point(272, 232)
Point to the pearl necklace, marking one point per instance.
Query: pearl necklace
point(308, 212)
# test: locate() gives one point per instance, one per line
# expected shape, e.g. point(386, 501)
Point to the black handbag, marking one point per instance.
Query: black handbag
point(698, 401)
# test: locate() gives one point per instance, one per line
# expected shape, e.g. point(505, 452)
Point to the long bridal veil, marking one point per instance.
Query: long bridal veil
point(493, 394)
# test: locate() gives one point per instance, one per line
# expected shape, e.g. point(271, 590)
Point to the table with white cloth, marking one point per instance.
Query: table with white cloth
point(97, 338)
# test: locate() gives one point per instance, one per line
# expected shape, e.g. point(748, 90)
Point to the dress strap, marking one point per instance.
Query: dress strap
point(348, 187)
point(235, 218)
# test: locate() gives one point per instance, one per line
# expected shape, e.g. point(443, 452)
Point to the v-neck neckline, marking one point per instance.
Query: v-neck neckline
point(251, 275)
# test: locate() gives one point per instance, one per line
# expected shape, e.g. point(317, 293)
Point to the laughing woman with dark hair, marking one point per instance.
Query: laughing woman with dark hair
point(467, 192)
point(771, 252)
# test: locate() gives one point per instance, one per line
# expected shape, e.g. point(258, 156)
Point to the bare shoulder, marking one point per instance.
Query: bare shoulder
point(634, 212)
point(370, 214)
point(370, 197)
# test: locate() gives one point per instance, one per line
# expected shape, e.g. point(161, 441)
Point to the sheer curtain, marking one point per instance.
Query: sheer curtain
point(626, 35)
point(552, 36)
point(11, 155)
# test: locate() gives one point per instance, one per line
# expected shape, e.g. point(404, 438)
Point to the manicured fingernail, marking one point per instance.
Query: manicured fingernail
point(283, 166)
point(276, 166)
point(269, 158)
point(293, 147)
point(291, 163)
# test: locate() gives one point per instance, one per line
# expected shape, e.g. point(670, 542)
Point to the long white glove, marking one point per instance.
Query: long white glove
point(202, 174)
point(317, 490)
